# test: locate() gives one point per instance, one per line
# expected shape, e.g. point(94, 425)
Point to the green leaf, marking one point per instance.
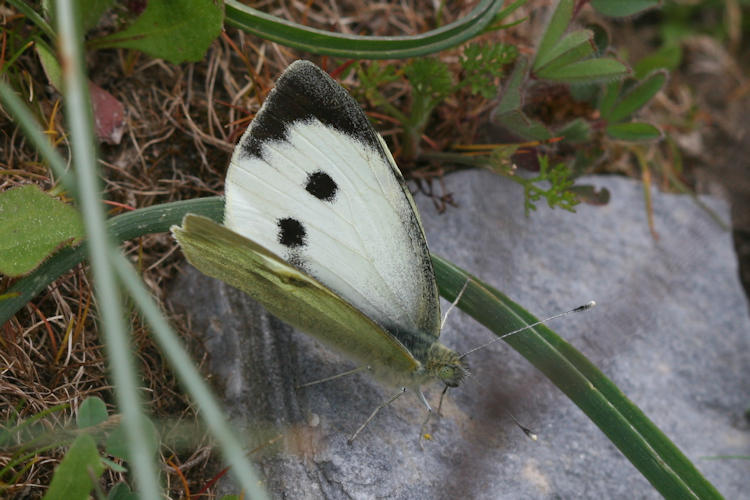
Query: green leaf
point(633, 131)
point(608, 97)
point(50, 64)
point(578, 130)
point(601, 38)
point(508, 111)
point(580, 40)
point(578, 53)
point(522, 126)
point(34, 226)
point(511, 98)
point(557, 179)
point(622, 8)
point(586, 71)
point(92, 411)
point(73, 477)
point(122, 491)
point(667, 57)
point(558, 23)
point(637, 97)
point(117, 441)
point(175, 30)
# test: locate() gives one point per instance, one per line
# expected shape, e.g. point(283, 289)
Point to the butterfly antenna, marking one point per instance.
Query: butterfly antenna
point(453, 304)
point(529, 433)
point(583, 308)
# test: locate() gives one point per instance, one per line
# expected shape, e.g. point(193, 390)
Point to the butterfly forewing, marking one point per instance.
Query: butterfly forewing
point(313, 182)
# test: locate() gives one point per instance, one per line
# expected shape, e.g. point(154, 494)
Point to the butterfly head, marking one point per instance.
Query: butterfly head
point(446, 365)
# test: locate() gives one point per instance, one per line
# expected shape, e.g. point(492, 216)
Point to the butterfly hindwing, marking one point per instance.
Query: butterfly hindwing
point(292, 295)
point(313, 182)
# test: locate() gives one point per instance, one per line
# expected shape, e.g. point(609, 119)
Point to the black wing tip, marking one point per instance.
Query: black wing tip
point(302, 93)
point(305, 69)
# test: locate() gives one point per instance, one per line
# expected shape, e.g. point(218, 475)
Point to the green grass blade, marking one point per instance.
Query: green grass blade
point(319, 41)
point(647, 448)
point(109, 302)
point(31, 13)
point(191, 380)
point(556, 27)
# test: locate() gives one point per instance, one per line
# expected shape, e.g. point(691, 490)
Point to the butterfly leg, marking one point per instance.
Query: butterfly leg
point(334, 377)
point(442, 395)
point(427, 418)
point(375, 412)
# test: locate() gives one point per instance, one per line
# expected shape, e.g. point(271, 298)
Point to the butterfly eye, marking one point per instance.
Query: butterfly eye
point(448, 375)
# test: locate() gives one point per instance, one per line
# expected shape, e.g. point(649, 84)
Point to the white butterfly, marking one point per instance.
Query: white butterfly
point(325, 233)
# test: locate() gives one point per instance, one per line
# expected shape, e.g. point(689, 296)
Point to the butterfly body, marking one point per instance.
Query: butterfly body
point(321, 228)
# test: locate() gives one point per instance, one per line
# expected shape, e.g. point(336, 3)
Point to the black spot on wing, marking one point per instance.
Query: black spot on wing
point(291, 232)
point(304, 92)
point(320, 185)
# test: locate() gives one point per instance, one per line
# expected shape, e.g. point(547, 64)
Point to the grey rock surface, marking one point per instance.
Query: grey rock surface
point(671, 330)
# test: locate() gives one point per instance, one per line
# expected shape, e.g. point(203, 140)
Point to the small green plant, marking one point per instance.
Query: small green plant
point(573, 60)
point(23, 440)
point(27, 439)
point(559, 194)
point(431, 82)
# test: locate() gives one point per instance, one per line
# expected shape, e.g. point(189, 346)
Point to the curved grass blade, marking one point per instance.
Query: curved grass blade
point(658, 459)
point(319, 41)
point(647, 448)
